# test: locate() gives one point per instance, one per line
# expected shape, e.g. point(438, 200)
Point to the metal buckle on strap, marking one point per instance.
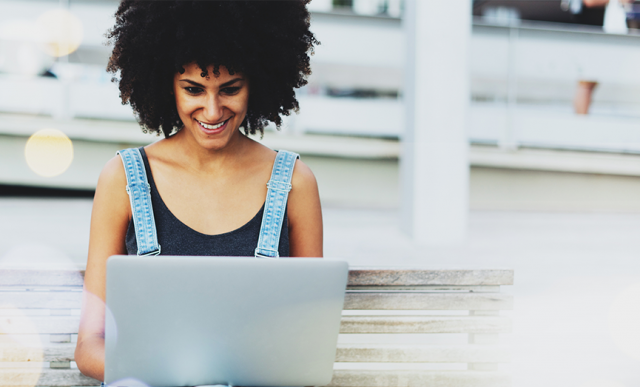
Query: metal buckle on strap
point(151, 253)
point(260, 255)
point(279, 186)
point(130, 187)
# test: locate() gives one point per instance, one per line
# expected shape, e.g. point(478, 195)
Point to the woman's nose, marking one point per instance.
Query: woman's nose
point(213, 110)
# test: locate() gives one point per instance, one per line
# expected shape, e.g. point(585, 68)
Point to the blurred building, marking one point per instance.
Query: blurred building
point(529, 149)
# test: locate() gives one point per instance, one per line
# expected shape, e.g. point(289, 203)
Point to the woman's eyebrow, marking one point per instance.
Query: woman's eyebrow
point(231, 82)
point(192, 82)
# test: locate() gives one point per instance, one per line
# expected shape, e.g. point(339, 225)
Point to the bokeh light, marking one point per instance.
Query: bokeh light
point(624, 321)
point(63, 32)
point(49, 152)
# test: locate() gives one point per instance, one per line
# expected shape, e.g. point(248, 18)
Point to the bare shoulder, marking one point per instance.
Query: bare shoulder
point(111, 189)
point(303, 178)
point(305, 214)
point(304, 197)
point(113, 172)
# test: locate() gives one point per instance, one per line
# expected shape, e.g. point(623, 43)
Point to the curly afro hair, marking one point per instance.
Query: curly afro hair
point(267, 41)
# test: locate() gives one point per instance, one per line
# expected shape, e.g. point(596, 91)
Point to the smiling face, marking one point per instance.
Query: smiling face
point(211, 108)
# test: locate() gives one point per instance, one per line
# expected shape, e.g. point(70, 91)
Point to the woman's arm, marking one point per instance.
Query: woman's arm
point(109, 219)
point(304, 214)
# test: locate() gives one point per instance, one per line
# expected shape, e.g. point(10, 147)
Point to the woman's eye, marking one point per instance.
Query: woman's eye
point(193, 90)
point(230, 90)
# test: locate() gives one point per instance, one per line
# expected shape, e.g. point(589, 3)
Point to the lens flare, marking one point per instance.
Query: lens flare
point(22, 325)
point(624, 321)
point(64, 32)
point(49, 152)
point(20, 339)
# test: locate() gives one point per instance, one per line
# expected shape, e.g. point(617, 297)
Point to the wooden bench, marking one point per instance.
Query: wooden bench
point(389, 316)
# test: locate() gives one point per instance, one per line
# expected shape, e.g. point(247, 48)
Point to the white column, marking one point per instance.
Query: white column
point(434, 162)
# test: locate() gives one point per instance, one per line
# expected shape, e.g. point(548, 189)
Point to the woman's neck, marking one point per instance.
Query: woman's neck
point(202, 160)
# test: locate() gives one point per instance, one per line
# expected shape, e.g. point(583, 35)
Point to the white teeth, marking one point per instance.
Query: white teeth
point(212, 126)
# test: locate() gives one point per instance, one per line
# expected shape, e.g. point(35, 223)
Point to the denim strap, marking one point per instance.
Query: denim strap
point(277, 193)
point(139, 192)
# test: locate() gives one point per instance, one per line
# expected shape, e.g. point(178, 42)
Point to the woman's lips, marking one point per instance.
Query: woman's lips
point(213, 131)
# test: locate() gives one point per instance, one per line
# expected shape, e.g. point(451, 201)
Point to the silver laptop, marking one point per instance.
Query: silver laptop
point(188, 321)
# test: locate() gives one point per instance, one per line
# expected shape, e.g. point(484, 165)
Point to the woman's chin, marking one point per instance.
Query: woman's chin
point(217, 142)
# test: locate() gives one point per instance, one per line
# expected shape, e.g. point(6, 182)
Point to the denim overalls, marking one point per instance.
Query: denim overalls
point(139, 192)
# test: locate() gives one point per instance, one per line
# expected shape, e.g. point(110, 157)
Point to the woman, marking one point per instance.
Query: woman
point(200, 72)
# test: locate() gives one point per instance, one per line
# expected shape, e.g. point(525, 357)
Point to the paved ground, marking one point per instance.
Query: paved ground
point(577, 286)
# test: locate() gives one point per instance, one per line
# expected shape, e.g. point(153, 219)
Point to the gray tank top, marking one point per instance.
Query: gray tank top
point(176, 238)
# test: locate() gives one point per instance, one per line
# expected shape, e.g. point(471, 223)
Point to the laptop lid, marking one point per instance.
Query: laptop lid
point(186, 321)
